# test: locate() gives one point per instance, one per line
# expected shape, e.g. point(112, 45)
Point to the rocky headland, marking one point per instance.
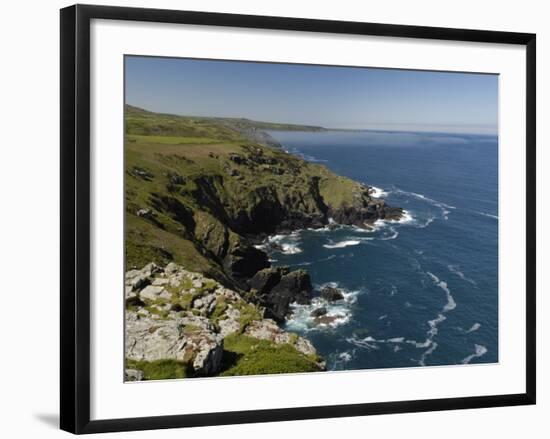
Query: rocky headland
point(200, 196)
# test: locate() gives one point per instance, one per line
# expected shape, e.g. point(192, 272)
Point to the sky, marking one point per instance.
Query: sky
point(328, 96)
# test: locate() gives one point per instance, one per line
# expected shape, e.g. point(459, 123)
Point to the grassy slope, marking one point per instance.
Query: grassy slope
point(180, 171)
point(245, 355)
point(168, 157)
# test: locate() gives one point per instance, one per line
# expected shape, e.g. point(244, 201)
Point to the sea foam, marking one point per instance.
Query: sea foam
point(343, 244)
point(479, 351)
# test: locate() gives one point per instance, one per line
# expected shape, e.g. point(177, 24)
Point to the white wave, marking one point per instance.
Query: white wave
point(431, 200)
point(427, 223)
point(382, 317)
point(439, 204)
point(473, 328)
point(451, 304)
point(377, 192)
point(479, 351)
point(488, 215)
point(286, 244)
point(345, 357)
point(328, 258)
point(320, 229)
point(343, 244)
point(420, 345)
point(455, 270)
point(394, 235)
point(373, 343)
point(340, 312)
point(427, 352)
point(366, 343)
point(290, 249)
point(396, 340)
point(433, 324)
point(406, 218)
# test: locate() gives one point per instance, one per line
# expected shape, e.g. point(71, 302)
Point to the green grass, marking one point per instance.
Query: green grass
point(160, 369)
point(249, 313)
point(219, 309)
point(245, 355)
point(171, 140)
point(193, 213)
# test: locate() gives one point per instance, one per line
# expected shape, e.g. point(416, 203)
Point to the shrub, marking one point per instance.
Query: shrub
point(159, 369)
point(245, 355)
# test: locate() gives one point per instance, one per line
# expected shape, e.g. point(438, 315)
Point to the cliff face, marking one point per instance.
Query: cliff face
point(199, 194)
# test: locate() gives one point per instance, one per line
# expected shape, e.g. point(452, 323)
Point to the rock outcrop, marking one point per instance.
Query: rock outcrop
point(175, 314)
point(188, 339)
point(276, 288)
point(331, 294)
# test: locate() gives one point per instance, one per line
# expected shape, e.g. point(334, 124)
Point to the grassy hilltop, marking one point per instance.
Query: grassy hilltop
point(199, 193)
point(196, 189)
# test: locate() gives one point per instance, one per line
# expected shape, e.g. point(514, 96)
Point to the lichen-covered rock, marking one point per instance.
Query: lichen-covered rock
point(267, 329)
point(190, 339)
point(152, 292)
point(184, 316)
point(230, 322)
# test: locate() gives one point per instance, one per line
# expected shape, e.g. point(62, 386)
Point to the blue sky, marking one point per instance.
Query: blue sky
point(333, 97)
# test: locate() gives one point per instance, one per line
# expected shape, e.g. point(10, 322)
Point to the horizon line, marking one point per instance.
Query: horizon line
point(383, 127)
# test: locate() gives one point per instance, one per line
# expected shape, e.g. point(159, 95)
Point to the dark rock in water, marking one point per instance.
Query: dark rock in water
point(276, 288)
point(331, 294)
point(392, 213)
point(265, 280)
point(318, 312)
point(297, 284)
point(327, 320)
point(365, 213)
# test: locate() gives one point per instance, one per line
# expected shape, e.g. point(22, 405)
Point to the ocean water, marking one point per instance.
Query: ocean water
point(419, 292)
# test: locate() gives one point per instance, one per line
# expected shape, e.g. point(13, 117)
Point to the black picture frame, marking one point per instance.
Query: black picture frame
point(75, 217)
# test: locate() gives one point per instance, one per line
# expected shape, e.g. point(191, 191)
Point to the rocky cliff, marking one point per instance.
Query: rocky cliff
point(200, 194)
point(181, 324)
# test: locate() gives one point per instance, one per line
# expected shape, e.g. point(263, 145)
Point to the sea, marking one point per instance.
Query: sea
point(419, 292)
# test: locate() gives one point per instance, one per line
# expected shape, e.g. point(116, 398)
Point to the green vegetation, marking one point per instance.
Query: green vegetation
point(219, 310)
point(195, 186)
point(160, 369)
point(249, 313)
point(169, 140)
point(245, 355)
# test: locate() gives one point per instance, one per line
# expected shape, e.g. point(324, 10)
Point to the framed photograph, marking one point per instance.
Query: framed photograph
point(273, 218)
